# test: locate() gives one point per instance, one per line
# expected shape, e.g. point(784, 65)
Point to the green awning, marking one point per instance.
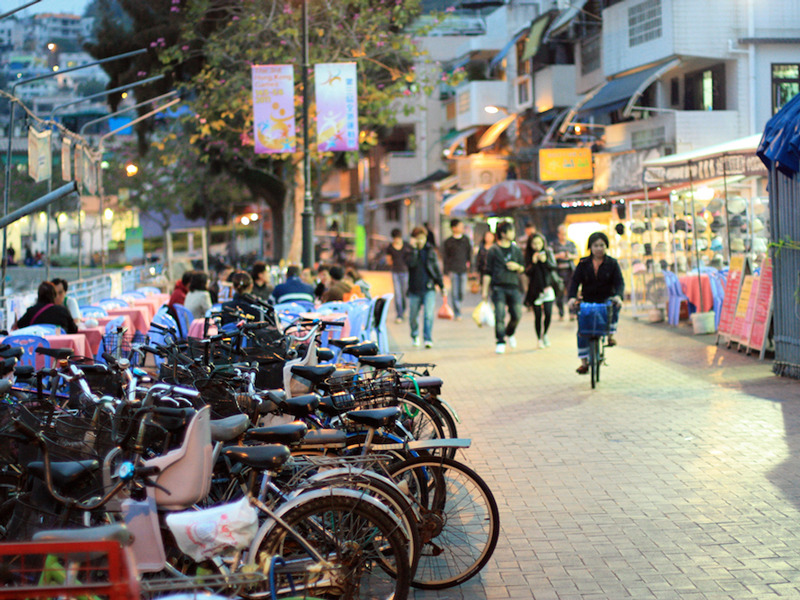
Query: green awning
point(536, 34)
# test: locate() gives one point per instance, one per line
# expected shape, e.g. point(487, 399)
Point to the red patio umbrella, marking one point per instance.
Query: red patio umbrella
point(506, 195)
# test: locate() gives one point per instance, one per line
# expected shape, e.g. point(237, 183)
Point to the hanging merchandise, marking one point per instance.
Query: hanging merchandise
point(717, 224)
point(638, 227)
point(715, 205)
point(681, 225)
point(700, 224)
point(659, 224)
point(737, 205)
point(759, 244)
point(758, 225)
point(737, 245)
point(716, 244)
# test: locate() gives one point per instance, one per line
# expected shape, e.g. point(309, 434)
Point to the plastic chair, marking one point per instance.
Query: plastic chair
point(358, 312)
point(136, 295)
point(676, 297)
point(148, 290)
point(91, 311)
point(29, 343)
point(111, 326)
point(378, 318)
point(158, 337)
point(185, 318)
point(111, 303)
point(718, 292)
point(40, 330)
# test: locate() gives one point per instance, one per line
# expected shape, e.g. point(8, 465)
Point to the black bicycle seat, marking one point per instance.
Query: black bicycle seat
point(57, 353)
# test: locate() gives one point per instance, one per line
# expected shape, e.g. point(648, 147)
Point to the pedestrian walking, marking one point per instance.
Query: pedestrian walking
point(397, 256)
point(456, 256)
point(540, 267)
point(424, 276)
point(504, 265)
point(566, 253)
point(482, 255)
point(600, 279)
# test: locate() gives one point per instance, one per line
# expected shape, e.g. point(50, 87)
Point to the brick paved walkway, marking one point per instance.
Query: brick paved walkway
point(676, 478)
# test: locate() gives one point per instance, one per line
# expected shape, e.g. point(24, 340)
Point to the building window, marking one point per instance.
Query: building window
point(590, 55)
point(705, 90)
point(674, 92)
point(392, 211)
point(644, 22)
point(785, 84)
point(463, 102)
point(524, 67)
point(523, 91)
point(400, 140)
point(648, 138)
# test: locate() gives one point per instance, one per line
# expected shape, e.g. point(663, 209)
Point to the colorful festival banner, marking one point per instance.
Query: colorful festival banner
point(66, 159)
point(273, 108)
point(337, 106)
point(39, 155)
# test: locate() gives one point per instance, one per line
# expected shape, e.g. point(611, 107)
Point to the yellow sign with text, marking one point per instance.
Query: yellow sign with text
point(557, 164)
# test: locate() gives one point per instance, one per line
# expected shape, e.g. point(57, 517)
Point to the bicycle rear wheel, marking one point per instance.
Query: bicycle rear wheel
point(594, 360)
point(458, 519)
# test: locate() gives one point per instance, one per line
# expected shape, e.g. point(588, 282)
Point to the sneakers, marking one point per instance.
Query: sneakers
point(500, 349)
point(583, 369)
point(546, 341)
point(398, 320)
point(512, 341)
point(429, 344)
point(415, 342)
point(542, 344)
point(610, 341)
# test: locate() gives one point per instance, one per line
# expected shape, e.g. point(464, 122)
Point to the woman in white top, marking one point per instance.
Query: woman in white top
point(198, 300)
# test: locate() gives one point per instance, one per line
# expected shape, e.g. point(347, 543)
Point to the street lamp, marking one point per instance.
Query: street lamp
point(308, 205)
point(131, 169)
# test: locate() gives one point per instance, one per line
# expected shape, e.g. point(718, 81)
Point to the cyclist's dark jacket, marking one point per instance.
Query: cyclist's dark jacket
point(496, 265)
point(607, 283)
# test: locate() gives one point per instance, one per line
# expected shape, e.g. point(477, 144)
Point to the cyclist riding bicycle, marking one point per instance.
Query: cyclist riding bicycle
point(600, 279)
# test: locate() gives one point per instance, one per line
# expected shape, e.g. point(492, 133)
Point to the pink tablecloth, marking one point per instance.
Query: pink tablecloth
point(127, 323)
point(691, 287)
point(94, 335)
point(153, 302)
point(138, 316)
point(196, 328)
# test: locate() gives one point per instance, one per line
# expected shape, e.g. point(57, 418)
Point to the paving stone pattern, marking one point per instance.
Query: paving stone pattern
point(676, 478)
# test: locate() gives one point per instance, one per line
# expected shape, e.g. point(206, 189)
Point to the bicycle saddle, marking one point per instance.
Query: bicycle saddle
point(344, 342)
point(325, 354)
point(290, 433)
point(24, 371)
point(375, 417)
point(116, 532)
point(263, 458)
point(381, 361)
point(57, 353)
point(316, 374)
point(229, 428)
point(324, 437)
point(300, 406)
point(10, 352)
point(65, 473)
point(424, 382)
point(363, 349)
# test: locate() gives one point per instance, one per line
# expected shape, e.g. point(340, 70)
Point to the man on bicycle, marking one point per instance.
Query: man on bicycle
point(600, 279)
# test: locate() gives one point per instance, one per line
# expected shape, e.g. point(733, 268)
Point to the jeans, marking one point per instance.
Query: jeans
point(400, 281)
point(427, 301)
point(502, 297)
point(583, 341)
point(459, 284)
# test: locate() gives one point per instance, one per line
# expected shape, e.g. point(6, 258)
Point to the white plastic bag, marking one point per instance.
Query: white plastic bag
point(484, 314)
point(205, 533)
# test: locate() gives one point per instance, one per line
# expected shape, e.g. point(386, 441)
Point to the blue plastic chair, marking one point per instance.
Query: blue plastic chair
point(358, 313)
point(377, 322)
point(110, 303)
point(185, 318)
point(148, 290)
point(676, 297)
point(29, 343)
point(136, 295)
point(158, 337)
point(91, 311)
point(718, 292)
point(40, 330)
point(111, 326)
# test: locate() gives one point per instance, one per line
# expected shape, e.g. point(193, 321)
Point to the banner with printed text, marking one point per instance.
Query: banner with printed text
point(66, 159)
point(337, 106)
point(39, 156)
point(273, 108)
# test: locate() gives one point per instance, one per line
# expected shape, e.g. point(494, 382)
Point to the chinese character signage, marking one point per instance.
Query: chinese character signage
point(337, 106)
point(273, 108)
point(557, 164)
point(39, 163)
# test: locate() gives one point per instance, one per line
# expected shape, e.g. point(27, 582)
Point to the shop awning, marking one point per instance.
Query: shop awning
point(736, 157)
point(451, 141)
point(506, 49)
point(434, 177)
point(536, 34)
point(566, 17)
point(456, 205)
point(623, 92)
point(490, 136)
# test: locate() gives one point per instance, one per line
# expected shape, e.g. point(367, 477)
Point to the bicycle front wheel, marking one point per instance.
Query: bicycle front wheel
point(458, 519)
point(594, 360)
point(366, 551)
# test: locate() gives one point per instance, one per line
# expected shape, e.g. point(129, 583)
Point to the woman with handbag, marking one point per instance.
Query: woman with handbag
point(540, 267)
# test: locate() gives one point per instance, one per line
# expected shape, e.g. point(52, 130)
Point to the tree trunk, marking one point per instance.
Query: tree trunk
point(294, 199)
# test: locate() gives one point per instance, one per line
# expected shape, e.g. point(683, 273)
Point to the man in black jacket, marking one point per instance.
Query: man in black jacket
point(504, 264)
point(424, 276)
point(457, 255)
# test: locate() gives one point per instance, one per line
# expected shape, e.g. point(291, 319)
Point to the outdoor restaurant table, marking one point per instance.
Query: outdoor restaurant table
point(153, 302)
point(196, 328)
point(103, 321)
point(75, 341)
point(691, 287)
point(137, 315)
point(94, 336)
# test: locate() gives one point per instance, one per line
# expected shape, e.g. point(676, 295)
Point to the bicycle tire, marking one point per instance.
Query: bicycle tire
point(456, 508)
point(368, 549)
point(594, 366)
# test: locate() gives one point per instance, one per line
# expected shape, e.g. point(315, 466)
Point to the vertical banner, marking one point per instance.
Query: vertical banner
point(79, 166)
point(763, 311)
point(337, 106)
point(134, 245)
point(39, 158)
point(89, 171)
point(273, 108)
point(66, 159)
